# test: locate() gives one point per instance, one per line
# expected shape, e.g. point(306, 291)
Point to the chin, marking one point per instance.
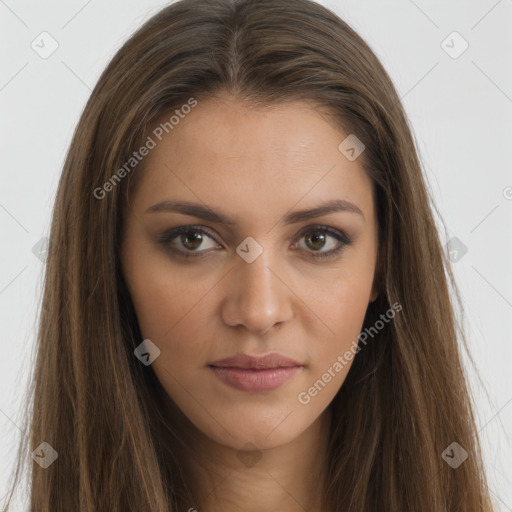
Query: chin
point(261, 427)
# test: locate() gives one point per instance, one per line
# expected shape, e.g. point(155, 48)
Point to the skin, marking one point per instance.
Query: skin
point(255, 166)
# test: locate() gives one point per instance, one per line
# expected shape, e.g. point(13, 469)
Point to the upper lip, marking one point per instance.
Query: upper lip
point(273, 360)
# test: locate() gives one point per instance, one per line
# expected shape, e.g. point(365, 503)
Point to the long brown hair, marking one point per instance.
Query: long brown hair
point(405, 399)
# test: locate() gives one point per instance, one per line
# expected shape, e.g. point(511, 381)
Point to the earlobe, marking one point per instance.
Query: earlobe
point(375, 292)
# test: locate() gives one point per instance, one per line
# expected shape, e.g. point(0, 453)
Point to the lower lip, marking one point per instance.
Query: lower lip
point(246, 379)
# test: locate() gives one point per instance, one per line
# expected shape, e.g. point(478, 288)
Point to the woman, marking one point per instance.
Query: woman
point(246, 305)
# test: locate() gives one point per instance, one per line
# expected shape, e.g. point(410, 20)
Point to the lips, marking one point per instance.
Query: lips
point(267, 361)
point(255, 373)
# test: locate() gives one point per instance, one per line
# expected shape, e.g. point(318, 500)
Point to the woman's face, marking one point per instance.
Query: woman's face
point(262, 276)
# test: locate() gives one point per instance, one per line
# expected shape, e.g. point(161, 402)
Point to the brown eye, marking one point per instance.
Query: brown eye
point(191, 240)
point(315, 240)
point(318, 238)
point(186, 241)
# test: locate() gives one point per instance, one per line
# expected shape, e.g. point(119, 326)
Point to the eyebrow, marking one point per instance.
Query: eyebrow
point(209, 214)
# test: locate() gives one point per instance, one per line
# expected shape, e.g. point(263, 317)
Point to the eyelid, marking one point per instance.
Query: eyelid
point(334, 232)
point(167, 236)
point(170, 234)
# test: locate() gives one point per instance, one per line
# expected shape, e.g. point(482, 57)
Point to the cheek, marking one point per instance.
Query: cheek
point(162, 297)
point(170, 305)
point(341, 310)
point(174, 303)
point(341, 296)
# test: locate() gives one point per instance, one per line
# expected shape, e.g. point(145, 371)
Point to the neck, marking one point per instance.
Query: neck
point(289, 477)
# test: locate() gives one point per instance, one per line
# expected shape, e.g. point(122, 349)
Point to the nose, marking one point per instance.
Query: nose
point(257, 295)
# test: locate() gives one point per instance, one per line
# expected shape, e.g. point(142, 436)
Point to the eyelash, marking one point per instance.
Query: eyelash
point(170, 235)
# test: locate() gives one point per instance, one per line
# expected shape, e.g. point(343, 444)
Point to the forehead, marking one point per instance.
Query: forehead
point(227, 153)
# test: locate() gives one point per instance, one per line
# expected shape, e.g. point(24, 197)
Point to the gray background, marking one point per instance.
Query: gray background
point(460, 111)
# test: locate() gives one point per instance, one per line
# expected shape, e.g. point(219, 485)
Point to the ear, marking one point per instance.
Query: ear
point(375, 291)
